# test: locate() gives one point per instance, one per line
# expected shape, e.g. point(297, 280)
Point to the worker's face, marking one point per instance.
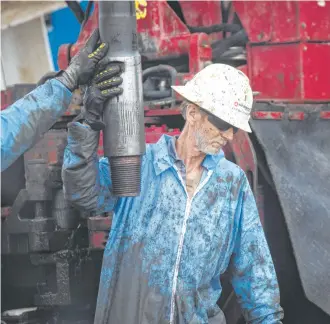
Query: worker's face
point(209, 139)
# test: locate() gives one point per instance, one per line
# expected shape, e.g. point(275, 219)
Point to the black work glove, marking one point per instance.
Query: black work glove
point(104, 86)
point(83, 65)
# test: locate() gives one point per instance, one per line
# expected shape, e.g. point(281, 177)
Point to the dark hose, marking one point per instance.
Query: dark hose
point(233, 52)
point(157, 94)
point(221, 46)
point(160, 70)
point(231, 28)
point(87, 12)
point(76, 9)
point(156, 70)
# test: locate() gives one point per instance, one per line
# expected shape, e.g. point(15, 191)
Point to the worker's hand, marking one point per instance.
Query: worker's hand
point(82, 66)
point(105, 85)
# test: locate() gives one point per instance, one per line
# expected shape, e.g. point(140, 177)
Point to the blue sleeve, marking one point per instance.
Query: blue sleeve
point(86, 179)
point(28, 119)
point(252, 270)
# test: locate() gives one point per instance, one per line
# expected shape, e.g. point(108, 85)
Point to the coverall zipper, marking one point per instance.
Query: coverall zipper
point(183, 232)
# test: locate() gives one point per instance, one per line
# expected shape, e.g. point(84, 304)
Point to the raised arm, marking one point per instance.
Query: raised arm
point(252, 269)
point(87, 181)
point(26, 121)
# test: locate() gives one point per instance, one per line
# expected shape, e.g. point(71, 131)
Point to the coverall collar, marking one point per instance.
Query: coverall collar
point(164, 150)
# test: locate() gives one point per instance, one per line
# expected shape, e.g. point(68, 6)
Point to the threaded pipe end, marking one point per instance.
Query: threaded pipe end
point(126, 175)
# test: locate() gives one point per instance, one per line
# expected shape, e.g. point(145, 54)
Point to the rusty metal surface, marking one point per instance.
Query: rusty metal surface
point(241, 152)
point(98, 230)
point(284, 21)
point(279, 68)
point(290, 72)
point(13, 93)
point(292, 115)
point(276, 71)
point(49, 148)
point(287, 40)
point(5, 212)
point(161, 33)
point(48, 240)
point(35, 222)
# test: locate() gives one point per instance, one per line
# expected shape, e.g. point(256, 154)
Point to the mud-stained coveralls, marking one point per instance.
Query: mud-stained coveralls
point(165, 252)
point(26, 120)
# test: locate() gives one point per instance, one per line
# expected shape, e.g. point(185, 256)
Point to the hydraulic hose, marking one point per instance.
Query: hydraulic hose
point(160, 70)
point(221, 46)
point(87, 13)
point(156, 94)
point(231, 28)
point(76, 9)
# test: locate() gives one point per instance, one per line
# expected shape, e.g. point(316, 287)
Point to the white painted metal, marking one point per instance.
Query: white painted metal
point(47, 44)
point(25, 52)
point(3, 81)
point(14, 13)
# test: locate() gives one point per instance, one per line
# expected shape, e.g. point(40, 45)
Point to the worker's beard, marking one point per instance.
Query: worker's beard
point(206, 145)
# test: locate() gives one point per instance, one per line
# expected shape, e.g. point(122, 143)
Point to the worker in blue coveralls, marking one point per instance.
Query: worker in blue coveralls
point(28, 119)
point(195, 218)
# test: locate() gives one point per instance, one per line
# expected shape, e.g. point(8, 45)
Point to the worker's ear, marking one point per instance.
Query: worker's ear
point(192, 114)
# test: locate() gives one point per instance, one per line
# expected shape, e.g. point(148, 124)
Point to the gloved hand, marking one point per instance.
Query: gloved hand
point(83, 64)
point(104, 86)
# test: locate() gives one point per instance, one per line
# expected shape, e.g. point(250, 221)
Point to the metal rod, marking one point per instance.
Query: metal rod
point(124, 138)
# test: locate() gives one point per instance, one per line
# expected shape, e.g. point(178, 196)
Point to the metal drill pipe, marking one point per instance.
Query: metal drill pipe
point(123, 137)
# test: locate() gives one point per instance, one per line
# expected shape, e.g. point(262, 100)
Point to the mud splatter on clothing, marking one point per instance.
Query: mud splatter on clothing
point(28, 119)
point(166, 252)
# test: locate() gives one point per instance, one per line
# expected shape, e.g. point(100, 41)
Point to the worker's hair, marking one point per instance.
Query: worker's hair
point(183, 108)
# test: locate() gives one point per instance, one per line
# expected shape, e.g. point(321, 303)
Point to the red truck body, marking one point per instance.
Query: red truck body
point(284, 48)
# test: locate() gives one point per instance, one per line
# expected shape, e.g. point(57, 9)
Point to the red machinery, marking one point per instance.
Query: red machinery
point(283, 46)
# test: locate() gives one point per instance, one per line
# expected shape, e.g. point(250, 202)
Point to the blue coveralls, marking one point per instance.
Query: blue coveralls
point(28, 119)
point(166, 252)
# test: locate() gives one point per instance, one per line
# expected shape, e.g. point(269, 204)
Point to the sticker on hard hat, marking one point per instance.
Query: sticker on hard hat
point(242, 108)
point(141, 9)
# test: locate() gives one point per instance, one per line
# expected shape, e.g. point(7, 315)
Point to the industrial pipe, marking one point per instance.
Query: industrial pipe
point(123, 137)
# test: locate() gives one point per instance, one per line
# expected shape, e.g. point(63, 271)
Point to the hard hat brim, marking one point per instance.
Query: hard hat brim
point(246, 128)
point(185, 93)
point(188, 95)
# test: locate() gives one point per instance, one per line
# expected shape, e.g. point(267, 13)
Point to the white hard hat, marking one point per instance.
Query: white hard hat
point(223, 91)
